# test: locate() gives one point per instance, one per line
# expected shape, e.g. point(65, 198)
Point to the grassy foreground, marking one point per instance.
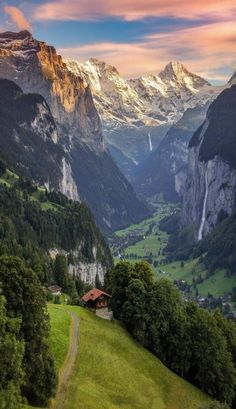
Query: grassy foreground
point(112, 371)
point(60, 333)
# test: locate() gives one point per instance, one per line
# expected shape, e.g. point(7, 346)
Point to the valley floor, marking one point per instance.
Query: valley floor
point(145, 241)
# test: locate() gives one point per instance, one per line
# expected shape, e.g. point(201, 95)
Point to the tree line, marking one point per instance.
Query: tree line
point(198, 345)
point(27, 372)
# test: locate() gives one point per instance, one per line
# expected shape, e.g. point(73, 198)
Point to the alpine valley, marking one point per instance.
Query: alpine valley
point(117, 219)
point(84, 168)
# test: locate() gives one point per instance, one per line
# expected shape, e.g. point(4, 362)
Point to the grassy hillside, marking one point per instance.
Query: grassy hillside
point(217, 284)
point(60, 333)
point(112, 371)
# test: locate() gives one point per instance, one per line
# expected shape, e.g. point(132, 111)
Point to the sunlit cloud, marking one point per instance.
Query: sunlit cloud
point(204, 50)
point(130, 10)
point(133, 10)
point(17, 17)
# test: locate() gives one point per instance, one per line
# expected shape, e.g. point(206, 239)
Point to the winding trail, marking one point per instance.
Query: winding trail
point(67, 369)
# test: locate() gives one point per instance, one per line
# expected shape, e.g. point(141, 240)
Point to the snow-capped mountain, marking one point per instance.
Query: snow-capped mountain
point(87, 167)
point(137, 113)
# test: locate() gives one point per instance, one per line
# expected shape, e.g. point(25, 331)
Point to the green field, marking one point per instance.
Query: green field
point(60, 333)
point(218, 284)
point(181, 271)
point(152, 239)
point(112, 371)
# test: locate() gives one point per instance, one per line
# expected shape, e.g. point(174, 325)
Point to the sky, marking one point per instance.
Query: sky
point(138, 37)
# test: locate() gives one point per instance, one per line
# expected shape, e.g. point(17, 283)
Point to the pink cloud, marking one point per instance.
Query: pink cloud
point(205, 50)
point(17, 17)
point(133, 10)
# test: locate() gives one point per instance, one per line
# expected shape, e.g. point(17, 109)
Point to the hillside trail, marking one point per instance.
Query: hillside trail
point(67, 369)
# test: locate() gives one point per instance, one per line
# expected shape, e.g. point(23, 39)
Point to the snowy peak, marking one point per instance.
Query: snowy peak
point(113, 95)
point(94, 72)
point(177, 73)
point(149, 100)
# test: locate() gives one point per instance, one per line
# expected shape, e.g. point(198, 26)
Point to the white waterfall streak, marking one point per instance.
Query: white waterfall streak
point(200, 232)
point(150, 141)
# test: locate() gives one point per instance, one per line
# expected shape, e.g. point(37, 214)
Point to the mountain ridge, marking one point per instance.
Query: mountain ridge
point(137, 113)
point(37, 68)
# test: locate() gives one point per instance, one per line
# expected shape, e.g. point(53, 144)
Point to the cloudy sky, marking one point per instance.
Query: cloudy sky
point(137, 36)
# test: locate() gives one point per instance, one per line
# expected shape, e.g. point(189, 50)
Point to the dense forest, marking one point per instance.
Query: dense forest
point(26, 363)
point(33, 221)
point(196, 344)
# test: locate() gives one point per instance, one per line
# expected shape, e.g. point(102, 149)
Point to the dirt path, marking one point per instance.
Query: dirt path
point(67, 368)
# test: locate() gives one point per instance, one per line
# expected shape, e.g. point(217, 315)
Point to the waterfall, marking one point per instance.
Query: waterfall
point(150, 141)
point(204, 209)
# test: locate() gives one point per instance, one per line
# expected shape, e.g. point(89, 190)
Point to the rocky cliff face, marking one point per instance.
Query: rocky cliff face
point(211, 182)
point(88, 272)
point(29, 138)
point(36, 67)
point(137, 113)
point(164, 173)
point(87, 170)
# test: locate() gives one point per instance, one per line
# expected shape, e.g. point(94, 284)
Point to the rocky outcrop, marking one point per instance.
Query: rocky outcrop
point(88, 271)
point(211, 181)
point(67, 185)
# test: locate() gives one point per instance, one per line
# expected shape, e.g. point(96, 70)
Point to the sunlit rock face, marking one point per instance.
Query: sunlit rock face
point(36, 67)
point(87, 170)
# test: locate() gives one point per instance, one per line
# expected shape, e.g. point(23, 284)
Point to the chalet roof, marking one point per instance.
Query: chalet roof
point(94, 294)
point(54, 288)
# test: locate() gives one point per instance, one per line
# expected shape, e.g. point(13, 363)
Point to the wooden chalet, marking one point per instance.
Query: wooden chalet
point(96, 299)
point(55, 289)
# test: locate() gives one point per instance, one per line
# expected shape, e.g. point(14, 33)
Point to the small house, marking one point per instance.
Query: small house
point(55, 289)
point(96, 299)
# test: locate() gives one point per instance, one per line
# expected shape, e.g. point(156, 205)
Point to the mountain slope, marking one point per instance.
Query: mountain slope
point(132, 372)
point(36, 67)
point(163, 174)
point(29, 139)
point(37, 224)
point(211, 183)
point(137, 113)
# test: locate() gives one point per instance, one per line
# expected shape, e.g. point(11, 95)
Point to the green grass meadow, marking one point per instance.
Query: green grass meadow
point(60, 333)
point(112, 371)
